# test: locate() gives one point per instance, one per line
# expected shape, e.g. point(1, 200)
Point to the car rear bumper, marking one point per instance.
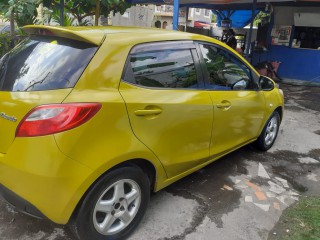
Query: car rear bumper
point(40, 180)
point(19, 203)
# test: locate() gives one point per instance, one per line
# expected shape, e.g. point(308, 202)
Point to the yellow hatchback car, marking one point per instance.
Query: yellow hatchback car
point(92, 119)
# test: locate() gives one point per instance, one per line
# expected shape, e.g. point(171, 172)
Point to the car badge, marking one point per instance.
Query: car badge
point(6, 117)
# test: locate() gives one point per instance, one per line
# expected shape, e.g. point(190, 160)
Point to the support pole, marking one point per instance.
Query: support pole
point(61, 12)
point(187, 17)
point(175, 15)
point(254, 7)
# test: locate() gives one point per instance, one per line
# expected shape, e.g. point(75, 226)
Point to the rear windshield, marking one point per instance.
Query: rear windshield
point(44, 63)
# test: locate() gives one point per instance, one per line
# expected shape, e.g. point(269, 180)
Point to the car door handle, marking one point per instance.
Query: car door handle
point(224, 104)
point(147, 112)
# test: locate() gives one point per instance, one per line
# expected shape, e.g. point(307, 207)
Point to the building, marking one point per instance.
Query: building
point(161, 17)
point(196, 17)
point(137, 16)
point(294, 40)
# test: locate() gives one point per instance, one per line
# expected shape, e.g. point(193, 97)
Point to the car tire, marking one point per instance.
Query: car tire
point(269, 133)
point(114, 206)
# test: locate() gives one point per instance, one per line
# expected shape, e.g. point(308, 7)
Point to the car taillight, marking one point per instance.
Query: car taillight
point(55, 118)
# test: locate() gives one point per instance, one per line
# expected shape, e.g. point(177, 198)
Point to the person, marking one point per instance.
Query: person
point(224, 36)
point(231, 39)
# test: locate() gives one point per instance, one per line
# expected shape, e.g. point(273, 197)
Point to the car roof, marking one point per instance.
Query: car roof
point(96, 35)
point(132, 35)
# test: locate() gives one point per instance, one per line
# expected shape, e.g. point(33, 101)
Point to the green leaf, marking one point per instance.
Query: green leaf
point(30, 9)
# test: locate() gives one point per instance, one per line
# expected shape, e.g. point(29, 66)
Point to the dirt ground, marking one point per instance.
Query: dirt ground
point(240, 196)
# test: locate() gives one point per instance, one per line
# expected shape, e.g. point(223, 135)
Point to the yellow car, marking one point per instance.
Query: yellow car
point(92, 119)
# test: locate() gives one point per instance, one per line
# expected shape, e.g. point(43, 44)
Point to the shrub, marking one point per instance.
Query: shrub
point(6, 43)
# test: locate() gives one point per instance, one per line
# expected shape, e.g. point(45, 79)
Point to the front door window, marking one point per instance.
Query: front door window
point(225, 72)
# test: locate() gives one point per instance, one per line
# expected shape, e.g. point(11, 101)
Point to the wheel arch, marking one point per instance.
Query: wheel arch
point(143, 164)
point(280, 111)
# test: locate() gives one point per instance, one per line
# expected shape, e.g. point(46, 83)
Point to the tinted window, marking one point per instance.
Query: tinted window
point(225, 71)
point(44, 63)
point(162, 69)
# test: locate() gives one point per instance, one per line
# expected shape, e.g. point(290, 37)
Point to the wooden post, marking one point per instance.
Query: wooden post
point(187, 16)
point(96, 20)
point(61, 12)
point(12, 27)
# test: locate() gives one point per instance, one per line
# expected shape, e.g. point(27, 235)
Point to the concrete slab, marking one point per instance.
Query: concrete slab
point(308, 160)
point(275, 188)
point(262, 172)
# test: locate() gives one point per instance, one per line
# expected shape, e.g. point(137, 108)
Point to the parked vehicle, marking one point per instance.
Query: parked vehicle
point(6, 29)
point(92, 119)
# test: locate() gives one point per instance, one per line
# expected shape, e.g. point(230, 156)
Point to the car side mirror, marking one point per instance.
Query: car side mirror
point(266, 84)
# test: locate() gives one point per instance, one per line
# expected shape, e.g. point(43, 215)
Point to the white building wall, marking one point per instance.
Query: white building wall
point(138, 16)
point(203, 15)
point(148, 16)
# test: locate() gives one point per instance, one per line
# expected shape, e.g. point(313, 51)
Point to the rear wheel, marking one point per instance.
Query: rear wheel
point(114, 206)
point(269, 133)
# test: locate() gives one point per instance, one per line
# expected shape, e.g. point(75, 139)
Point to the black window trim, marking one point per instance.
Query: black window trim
point(160, 46)
point(204, 67)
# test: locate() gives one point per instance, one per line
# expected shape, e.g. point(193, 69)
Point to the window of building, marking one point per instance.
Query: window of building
point(207, 12)
point(163, 69)
point(157, 24)
point(158, 8)
point(168, 8)
point(197, 11)
point(307, 37)
point(164, 25)
point(191, 12)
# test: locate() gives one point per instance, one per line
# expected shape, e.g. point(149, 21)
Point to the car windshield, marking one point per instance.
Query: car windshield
point(44, 63)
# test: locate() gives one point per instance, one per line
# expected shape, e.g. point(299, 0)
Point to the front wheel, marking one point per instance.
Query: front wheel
point(269, 133)
point(114, 206)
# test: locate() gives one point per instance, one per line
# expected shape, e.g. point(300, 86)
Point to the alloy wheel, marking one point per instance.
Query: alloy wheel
point(116, 207)
point(271, 131)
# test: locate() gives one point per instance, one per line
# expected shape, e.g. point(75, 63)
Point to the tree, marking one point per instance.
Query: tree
point(23, 12)
point(214, 18)
point(85, 8)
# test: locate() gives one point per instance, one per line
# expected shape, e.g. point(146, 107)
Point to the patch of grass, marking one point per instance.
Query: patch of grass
point(299, 222)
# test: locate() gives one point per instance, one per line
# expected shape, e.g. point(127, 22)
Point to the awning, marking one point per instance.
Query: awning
point(239, 18)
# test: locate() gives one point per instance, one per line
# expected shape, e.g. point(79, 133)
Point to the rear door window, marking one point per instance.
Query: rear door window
point(167, 68)
point(44, 63)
